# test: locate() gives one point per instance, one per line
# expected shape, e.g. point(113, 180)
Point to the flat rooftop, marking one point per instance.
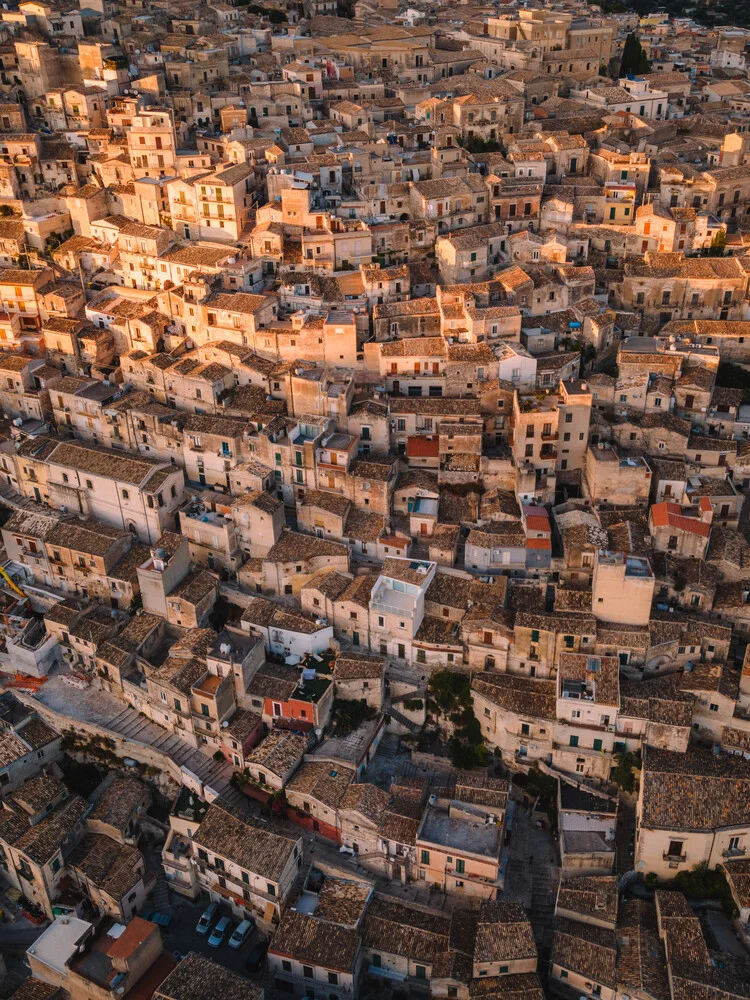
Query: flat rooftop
point(231, 644)
point(56, 946)
point(349, 749)
point(461, 835)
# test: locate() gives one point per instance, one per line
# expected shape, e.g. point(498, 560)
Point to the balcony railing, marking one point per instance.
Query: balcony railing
point(391, 609)
point(674, 858)
point(734, 852)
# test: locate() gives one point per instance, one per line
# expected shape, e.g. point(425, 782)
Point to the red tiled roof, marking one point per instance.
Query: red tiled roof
point(537, 522)
point(539, 543)
point(669, 515)
point(396, 540)
point(131, 938)
point(423, 447)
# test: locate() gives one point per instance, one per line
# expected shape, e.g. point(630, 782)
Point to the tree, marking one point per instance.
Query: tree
point(634, 58)
point(622, 772)
point(718, 244)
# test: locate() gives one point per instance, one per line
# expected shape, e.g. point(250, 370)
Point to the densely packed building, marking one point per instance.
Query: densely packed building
point(374, 442)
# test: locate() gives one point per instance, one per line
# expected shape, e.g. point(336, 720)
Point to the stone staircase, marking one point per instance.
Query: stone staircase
point(388, 746)
point(544, 886)
point(159, 896)
point(403, 720)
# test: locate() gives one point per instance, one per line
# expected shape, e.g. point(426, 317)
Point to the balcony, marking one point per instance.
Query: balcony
point(675, 859)
point(204, 726)
point(734, 852)
point(581, 751)
point(469, 877)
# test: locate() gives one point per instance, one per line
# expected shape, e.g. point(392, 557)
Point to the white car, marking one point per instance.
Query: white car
point(207, 918)
point(219, 933)
point(242, 933)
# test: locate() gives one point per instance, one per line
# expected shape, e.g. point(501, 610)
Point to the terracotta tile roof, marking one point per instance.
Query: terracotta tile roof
point(503, 933)
point(590, 895)
point(316, 942)
point(255, 849)
point(670, 515)
point(587, 950)
point(400, 928)
point(696, 791)
point(524, 696)
point(198, 978)
point(423, 446)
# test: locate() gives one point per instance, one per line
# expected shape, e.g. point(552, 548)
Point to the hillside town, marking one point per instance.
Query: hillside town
point(374, 448)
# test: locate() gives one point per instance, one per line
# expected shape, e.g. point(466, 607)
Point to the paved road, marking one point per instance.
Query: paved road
point(17, 937)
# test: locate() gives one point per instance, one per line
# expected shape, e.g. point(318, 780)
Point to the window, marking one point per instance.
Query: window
point(525, 729)
point(270, 889)
point(333, 978)
point(675, 849)
point(307, 971)
point(574, 741)
point(425, 858)
point(420, 972)
point(460, 866)
point(597, 744)
point(714, 708)
point(125, 495)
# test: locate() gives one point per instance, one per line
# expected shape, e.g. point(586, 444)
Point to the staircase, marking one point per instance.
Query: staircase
point(388, 746)
point(544, 885)
point(413, 727)
point(159, 897)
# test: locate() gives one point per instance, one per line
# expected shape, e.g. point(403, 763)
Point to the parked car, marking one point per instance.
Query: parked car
point(207, 918)
point(256, 956)
point(242, 934)
point(219, 932)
